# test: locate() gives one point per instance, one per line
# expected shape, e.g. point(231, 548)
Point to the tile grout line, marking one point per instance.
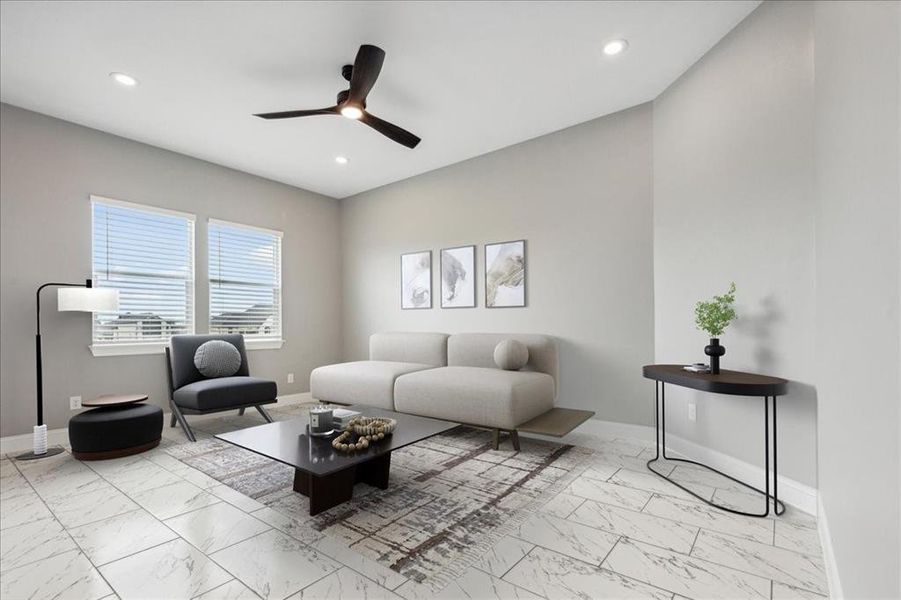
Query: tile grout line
point(695, 541)
point(160, 521)
point(523, 557)
point(511, 567)
point(582, 502)
point(78, 548)
point(223, 585)
point(712, 561)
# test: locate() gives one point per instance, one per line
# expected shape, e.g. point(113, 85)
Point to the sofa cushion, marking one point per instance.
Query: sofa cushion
point(222, 392)
point(422, 348)
point(477, 350)
point(368, 382)
point(475, 395)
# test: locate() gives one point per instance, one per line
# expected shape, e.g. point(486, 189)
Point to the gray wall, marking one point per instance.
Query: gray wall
point(857, 300)
point(48, 169)
point(582, 199)
point(733, 177)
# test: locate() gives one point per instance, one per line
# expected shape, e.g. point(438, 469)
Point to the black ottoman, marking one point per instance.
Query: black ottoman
point(115, 431)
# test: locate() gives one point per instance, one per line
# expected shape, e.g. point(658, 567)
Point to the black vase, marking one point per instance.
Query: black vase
point(714, 351)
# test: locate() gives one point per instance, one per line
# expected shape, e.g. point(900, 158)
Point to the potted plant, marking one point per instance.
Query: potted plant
point(713, 317)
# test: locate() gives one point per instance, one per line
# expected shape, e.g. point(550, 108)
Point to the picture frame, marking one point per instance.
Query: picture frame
point(458, 277)
point(416, 280)
point(505, 268)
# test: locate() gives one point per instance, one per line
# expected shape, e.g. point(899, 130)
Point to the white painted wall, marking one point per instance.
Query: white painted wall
point(48, 170)
point(582, 199)
point(858, 209)
point(733, 177)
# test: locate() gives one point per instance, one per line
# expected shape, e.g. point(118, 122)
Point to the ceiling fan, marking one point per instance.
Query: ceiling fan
point(352, 102)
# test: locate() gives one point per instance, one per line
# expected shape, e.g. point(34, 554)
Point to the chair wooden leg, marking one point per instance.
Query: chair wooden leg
point(263, 412)
point(514, 437)
point(495, 439)
point(182, 422)
point(240, 412)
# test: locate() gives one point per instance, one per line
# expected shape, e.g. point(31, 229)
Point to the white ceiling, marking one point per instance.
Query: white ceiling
point(467, 77)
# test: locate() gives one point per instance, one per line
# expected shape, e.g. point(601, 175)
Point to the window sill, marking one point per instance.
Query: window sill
point(263, 344)
point(127, 349)
point(160, 347)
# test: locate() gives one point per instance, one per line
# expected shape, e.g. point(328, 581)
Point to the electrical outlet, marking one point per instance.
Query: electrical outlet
point(74, 402)
point(692, 411)
point(290, 377)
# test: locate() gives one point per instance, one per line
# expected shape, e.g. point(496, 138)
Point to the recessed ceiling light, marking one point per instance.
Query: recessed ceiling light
point(351, 112)
point(341, 160)
point(124, 79)
point(614, 47)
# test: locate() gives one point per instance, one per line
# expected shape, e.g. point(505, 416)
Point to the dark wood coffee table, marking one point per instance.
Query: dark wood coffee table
point(323, 474)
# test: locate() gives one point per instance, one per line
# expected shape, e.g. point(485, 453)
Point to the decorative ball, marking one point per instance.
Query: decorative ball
point(511, 355)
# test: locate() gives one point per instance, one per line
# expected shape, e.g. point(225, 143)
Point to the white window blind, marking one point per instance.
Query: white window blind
point(245, 280)
point(148, 255)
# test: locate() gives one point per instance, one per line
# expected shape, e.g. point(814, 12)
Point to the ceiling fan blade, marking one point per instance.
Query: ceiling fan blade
point(290, 114)
point(401, 136)
point(367, 67)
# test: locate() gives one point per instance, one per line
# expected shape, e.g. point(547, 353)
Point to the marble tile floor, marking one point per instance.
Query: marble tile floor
point(151, 527)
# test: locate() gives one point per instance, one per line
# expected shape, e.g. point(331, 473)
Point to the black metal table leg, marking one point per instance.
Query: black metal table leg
point(776, 503)
point(660, 438)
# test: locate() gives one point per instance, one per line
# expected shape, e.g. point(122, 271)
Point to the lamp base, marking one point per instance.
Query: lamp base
point(32, 456)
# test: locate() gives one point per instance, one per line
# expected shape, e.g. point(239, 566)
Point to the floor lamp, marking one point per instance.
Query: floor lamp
point(82, 297)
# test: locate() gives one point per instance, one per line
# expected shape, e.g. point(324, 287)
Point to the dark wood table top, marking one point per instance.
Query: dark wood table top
point(115, 400)
point(735, 383)
point(289, 442)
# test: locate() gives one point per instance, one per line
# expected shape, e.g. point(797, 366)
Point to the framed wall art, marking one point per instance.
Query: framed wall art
point(416, 280)
point(505, 274)
point(458, 281)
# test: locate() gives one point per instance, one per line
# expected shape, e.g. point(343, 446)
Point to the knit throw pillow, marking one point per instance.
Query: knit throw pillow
point(217, 358)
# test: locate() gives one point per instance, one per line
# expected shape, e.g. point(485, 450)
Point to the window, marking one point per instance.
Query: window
point(246, 282)
point(148, 255)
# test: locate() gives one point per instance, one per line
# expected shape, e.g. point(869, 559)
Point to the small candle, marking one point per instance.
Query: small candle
point(320, 419)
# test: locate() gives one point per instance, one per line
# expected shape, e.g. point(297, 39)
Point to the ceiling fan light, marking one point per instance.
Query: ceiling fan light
point(351, 112)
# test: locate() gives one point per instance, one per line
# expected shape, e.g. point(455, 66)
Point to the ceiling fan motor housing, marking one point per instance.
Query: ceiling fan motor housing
point(347, 72)
point(342, 98)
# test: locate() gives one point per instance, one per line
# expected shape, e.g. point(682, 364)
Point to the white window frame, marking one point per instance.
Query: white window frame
point(251, 343)
point(157, 347)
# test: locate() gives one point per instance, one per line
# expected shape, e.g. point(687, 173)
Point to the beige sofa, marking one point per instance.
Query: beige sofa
point(447, 377)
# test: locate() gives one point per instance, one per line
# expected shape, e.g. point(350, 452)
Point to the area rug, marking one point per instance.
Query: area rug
point(450, 497)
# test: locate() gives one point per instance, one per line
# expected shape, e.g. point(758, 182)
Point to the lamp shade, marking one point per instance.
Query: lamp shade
point(88, 299)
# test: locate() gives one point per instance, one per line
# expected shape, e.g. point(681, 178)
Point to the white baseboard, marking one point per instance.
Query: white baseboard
point(835, 584)
point(14, 444)
point(799, 495)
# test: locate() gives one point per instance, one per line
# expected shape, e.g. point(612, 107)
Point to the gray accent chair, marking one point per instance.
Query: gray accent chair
point(193, 394)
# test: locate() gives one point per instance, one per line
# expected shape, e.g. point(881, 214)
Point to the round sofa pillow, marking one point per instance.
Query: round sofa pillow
point(511, 355)
point(217, 358)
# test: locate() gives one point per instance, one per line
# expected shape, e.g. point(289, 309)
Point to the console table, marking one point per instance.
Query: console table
point(733, 383)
